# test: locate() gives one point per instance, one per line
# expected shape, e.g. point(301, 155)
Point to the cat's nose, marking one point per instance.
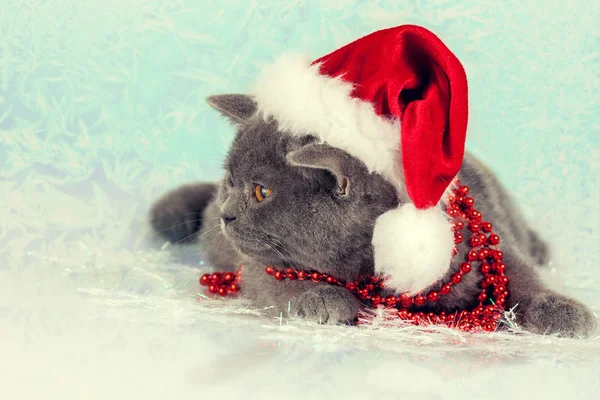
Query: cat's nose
point(227, 218)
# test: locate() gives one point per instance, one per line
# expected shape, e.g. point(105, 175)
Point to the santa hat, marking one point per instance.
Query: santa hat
point(397, 100)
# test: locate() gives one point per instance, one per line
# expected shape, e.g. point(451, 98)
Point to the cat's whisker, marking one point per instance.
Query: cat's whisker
point(279, 244)
point(188, 238)
point(178, 225)
point(274, 248)
point(212, 229)
point(209, 233)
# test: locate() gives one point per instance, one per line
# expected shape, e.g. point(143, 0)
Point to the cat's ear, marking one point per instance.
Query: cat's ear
point(237, 108)
point(324, 157)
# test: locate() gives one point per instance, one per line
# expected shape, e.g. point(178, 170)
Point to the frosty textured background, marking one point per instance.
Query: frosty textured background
point(101, 110)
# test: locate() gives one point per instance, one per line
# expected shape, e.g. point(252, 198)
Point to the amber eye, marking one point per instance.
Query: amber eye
point(262, 192)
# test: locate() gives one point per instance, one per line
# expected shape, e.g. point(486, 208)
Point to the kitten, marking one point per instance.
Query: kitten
point(295, 202)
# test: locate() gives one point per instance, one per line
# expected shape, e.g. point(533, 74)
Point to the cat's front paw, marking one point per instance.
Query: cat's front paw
point(552, 313)
point(328, 305)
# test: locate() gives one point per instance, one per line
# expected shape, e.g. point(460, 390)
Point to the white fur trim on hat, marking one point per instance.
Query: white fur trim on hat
point(303, 101)
point(412, 247)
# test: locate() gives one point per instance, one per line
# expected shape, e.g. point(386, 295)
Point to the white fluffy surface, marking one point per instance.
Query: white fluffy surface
point(85, 321)
point(304, 101)
point(413, 248)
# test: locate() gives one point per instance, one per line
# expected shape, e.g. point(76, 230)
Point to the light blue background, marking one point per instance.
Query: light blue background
point(111, 94)
point(102, 109)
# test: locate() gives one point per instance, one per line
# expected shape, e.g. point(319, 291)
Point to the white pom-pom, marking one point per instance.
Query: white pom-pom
point(412, 247)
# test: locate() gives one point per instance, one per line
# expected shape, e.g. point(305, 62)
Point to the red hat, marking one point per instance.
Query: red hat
point(397, 100)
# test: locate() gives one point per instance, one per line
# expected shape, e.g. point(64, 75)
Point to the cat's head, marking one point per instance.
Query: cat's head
point(291, 200)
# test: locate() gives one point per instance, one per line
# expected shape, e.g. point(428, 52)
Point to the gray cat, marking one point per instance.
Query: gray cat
point(295, 202)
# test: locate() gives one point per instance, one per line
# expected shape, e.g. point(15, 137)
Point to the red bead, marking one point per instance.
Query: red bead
point(403, 314)
point(485, 268)
point(405, 300)
point(501, 267)
point(482, 296)
point(472, 256)
point(390, 301)
point(331, 280)
point(494, 239)
point(212, 288)
point(458, 225)
point(483, 254)
point(316, 277)
point(419, 316)
point(279, 275)
point(223, 290)
point(456, 278)
point(433, 296)
point(489, 310)
point(475, 215)
point(269, 270)
point(351, 286)
point(291, 275)
point(463, 190)
point(498, 290)
point(475, 241)
point(228, 277)
point(234, 288)
point(469, 202)
point(375, 300)
point(301, 275)
point(487, 227)
point(215, 277)
point(475, 227)
point(503, 280)
point(205, 280)
point(498, 255)
point(465, 268)
point(419, 300)
point(447, 288)
point(458, 238)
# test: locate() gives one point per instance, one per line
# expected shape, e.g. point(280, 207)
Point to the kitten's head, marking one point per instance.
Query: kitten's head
point(290, 200)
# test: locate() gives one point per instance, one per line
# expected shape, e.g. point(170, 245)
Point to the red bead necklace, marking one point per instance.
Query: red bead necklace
point(484, 251)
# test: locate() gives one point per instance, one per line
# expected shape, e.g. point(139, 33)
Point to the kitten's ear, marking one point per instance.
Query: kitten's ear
point(321, 156)
point(237, 108)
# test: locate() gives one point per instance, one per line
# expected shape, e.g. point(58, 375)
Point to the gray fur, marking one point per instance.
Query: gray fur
point(321, 216)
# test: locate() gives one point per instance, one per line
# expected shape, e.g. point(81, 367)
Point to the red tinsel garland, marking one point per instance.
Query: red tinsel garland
point(484, 250)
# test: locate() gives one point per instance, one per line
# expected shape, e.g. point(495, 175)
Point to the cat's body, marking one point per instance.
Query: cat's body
point(320, 216)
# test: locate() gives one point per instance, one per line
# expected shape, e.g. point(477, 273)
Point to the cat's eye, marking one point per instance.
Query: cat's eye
point(261, 192)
